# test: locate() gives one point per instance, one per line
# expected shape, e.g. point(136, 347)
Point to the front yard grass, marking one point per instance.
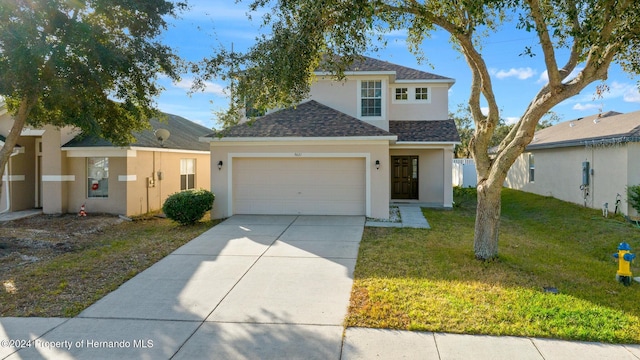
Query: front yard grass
point(67, 284)
point(429, 280)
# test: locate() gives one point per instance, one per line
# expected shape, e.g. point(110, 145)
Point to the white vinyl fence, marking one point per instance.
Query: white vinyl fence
point(464, 173)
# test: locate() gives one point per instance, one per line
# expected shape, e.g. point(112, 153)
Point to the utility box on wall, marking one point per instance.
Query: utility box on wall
point(585, 173)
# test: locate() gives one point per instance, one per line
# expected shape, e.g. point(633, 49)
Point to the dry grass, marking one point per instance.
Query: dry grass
point(429, 280)
point(65, 284)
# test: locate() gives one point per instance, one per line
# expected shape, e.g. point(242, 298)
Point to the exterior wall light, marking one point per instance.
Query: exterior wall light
point(377, 164)
point(220, 165)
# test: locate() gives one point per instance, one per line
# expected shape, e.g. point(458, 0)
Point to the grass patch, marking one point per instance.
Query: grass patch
point(429, 280)
point(65, 285)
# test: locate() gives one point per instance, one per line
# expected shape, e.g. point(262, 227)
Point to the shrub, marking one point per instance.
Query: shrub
point(633, 197)
point(187, 207)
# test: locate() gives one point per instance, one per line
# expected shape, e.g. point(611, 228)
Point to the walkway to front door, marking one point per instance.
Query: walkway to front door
point(404, 177)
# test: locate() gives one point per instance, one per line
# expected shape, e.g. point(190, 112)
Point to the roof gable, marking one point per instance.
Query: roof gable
point(184, 135)
point(307, 120)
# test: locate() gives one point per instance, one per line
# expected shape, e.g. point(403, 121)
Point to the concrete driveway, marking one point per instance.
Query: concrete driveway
point(250, 287)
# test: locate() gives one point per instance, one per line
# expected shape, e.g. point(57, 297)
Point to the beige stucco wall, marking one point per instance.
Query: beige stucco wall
point(374, 150)
point(434, 174)
point(22, 191)
point(164, 168)
point(437, 108)
point(343, 96)
point(115, 203)
point(558, 173)
point(55, 173)
point(128, 191)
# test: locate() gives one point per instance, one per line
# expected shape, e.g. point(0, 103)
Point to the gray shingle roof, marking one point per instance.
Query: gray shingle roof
point(602, 128)
point(425, 131)
point(314, 120)
point(184, 135)
point(402, 72)
point(309, 119)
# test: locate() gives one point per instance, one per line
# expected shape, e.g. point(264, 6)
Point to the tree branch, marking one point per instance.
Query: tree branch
point(545, 42)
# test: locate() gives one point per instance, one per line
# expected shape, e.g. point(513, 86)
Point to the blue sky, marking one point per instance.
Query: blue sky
point(211, 24)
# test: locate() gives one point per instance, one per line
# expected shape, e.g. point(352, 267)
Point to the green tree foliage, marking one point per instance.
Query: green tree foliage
point(187, 207)
point(91, 64)
point(304, 34)
point(633, 197)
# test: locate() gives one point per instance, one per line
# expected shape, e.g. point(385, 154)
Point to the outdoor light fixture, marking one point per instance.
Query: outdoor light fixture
point(220, 165)
point(377, 164)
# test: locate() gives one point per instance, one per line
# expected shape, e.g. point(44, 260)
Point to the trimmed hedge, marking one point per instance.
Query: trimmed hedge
point(187, 207)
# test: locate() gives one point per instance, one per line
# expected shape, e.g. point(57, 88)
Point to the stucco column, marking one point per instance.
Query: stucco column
point(54, 173)
point(448, 177)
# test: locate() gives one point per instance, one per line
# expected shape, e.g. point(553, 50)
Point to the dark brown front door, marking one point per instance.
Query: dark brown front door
point(404, 177)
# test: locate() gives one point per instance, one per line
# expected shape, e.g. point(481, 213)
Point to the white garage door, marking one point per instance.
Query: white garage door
point(310, 186)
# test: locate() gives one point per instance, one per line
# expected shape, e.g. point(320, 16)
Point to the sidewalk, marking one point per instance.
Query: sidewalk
point(410, 217)
point(361, 343)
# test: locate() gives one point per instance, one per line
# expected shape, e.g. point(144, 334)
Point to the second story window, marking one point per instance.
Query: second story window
point(401, 94)
point(371, 98)
point(422, 93)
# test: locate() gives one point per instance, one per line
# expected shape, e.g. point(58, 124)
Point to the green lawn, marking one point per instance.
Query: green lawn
point(429, 280)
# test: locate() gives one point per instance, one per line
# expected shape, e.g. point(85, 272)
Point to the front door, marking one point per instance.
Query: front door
point(404, 177)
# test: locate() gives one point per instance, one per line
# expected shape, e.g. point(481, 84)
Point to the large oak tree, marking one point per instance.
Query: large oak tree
point(91, 64)
point(572, 35)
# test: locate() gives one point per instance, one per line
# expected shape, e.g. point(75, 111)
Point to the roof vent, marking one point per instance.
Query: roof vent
point(571, 124)
point(596, 120)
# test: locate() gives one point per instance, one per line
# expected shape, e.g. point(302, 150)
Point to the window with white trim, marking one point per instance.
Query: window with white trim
point(422, 93)
point(187, 174)
point(98, 177)
point(402, 94)
point(371, 98)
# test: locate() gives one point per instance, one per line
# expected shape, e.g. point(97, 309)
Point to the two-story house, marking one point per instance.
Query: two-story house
point(381, 135)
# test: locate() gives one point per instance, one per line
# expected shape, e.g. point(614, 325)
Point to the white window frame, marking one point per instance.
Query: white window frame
point(97, 176)
point(415, 93)
point(186, 170)
point(403, 92)
point(383, 98)
point(412, 92)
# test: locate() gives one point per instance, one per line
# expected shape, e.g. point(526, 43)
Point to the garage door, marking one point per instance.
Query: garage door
point(310, 186)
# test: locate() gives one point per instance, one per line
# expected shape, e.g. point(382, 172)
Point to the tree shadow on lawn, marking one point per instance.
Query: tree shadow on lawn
point(430, 280)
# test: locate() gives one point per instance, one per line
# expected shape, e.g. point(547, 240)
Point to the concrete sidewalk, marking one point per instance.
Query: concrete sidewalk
point(257, 287)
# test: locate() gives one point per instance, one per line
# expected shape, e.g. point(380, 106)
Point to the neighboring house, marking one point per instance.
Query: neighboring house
point(587, 161)
point(59, 171)
point(381, 135)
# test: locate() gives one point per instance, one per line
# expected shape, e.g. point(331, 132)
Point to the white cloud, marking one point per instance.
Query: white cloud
point(519, 73)
point(544, 77)
point(485, 110)
point(510, 120)
point(209, 87)
point(584, 107)
point(628, 92)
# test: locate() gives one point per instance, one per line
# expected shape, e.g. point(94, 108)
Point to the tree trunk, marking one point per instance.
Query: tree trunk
point(485, 241)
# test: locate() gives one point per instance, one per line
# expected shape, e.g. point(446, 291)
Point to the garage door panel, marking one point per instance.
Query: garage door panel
point(318, 186)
